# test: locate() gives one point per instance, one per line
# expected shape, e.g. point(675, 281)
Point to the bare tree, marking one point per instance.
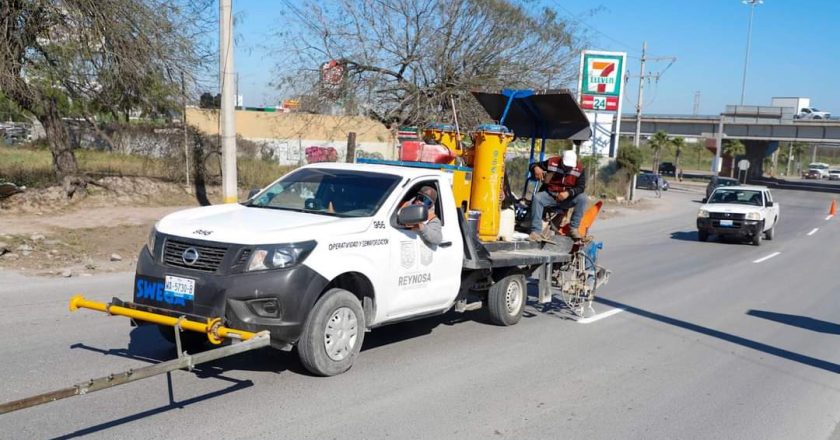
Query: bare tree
point(61, 58)
point(405, 60)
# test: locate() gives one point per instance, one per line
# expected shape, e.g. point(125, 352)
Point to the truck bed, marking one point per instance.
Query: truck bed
point(488, 255)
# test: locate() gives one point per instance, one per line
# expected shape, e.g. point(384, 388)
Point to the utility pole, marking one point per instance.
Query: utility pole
point(696, 109)
point(226, 78)
point(639, 99)
point(646, 76)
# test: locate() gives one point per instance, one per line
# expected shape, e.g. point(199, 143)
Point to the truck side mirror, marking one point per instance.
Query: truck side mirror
point(769, 204)
point(412, 215)
point(253, 192)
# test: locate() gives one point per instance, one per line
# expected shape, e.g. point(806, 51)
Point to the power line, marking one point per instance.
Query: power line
point(593, 28)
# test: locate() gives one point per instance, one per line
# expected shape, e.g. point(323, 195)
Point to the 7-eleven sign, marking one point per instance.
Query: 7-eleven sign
point(602, 74)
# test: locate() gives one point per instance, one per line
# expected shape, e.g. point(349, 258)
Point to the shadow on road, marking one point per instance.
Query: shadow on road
point(684, 235)
point(240, 385)
point(758, 346)
point(798, 321)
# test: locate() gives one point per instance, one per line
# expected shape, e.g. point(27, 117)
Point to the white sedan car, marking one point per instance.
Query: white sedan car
point(833, 174)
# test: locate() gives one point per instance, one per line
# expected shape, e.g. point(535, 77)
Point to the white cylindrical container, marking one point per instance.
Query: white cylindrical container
point(507, 222)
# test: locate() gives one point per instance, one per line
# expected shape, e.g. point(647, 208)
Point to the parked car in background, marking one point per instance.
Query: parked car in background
point(648, 181)
point(833, 174)
point(813, 174)
point(667, 168)
point(718, 182)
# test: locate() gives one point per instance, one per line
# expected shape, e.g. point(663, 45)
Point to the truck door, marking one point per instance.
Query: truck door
point(424, 277)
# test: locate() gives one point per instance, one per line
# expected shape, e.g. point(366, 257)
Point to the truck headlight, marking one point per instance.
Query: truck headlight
point(150, 242)
point(753, 216)
point(280, 256)
point(703, 214)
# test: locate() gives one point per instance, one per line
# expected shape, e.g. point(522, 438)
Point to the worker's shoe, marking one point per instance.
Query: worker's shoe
point(574, 233)
point(536, 236)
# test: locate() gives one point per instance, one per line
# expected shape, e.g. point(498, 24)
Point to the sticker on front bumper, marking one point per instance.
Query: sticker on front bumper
point(150, 291)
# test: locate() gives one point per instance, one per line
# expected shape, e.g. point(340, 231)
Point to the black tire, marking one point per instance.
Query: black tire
point(506, 300)
point(327, 353)
point(756, 239)
point(191, 342)
point(702, 235)
point(770, 233)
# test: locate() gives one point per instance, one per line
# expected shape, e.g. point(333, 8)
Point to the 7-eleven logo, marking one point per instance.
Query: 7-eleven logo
point(602, 75)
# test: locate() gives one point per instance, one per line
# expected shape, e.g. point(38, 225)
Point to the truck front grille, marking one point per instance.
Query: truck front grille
point(726, 216)
point(209, 257)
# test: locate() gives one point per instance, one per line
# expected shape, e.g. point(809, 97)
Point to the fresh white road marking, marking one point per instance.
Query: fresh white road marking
point(600, 316)
point(813, 231)
point(829, 217)
point(767, 257)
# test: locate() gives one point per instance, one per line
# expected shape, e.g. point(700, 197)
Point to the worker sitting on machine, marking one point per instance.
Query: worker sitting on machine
point(565, 183)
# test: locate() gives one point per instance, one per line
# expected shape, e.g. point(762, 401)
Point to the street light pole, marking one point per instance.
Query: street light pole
point(752, 4)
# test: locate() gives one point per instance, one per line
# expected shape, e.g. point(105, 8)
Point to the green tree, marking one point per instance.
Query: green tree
point(733, 149)
point(69, 58)
point(679, 145)
point(657, 143)
point(797, 150)
point(629, 158)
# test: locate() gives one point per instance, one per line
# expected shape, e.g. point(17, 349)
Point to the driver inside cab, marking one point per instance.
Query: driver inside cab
point(430, 230)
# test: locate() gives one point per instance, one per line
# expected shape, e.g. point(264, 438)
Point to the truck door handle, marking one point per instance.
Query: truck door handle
point(445, 244)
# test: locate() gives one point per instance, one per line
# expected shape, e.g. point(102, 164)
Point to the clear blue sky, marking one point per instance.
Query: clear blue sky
point(795, 49)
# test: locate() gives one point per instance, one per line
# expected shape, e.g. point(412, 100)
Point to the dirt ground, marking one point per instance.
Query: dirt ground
point(44, 233)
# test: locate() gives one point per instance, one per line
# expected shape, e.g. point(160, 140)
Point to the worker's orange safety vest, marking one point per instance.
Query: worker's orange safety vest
point(562, 180)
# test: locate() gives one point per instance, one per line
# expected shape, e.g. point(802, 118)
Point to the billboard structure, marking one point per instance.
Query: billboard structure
point(600, 94)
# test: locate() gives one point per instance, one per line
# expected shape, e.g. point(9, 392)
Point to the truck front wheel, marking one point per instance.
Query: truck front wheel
point(333, 334)
point(506, 299)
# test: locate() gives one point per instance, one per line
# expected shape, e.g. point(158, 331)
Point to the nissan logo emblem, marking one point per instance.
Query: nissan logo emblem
point(190, 256)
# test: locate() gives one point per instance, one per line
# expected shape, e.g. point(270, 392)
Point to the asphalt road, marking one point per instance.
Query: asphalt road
point(711, 344)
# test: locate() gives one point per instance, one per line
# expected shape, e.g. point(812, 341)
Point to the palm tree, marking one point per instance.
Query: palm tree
point(797, 150)
point(678, 143)
point(657, 142)
point(732, 149)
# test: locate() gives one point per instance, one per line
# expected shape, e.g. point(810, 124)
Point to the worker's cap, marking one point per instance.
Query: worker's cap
point(569, 158)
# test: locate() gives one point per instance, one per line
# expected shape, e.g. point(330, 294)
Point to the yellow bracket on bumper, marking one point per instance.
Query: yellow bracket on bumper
point(215, 332)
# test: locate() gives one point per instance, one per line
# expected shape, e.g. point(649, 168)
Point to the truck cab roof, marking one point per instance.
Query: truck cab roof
point(404, 171)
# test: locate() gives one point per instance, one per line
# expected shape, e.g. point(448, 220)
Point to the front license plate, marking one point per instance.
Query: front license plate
point(181, 288)
point(722, 223)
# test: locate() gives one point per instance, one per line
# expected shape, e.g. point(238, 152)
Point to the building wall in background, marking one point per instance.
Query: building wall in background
point(289, 134)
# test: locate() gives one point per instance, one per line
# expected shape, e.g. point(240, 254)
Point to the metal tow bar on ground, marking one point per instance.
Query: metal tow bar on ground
point(215, 332)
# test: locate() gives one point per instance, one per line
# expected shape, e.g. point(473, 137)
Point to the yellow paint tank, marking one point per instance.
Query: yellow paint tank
point(490, 143)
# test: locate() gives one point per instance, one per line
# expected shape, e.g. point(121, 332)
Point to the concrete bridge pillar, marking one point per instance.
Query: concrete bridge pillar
point(756, 152)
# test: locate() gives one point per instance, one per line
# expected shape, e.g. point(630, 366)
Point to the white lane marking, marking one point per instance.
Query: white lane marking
point(767, 257)
point(600, 316)
point(829, 217)
point(813, 231)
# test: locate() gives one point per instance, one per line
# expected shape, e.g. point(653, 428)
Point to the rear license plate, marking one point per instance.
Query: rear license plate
point(726, 223)
point(180, 288)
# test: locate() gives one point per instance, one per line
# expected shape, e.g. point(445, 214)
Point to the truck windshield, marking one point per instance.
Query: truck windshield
point(738, 196)
point(340, 193)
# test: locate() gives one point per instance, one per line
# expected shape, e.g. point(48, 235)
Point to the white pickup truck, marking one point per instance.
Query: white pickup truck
point(740, 211)
point(325, 253)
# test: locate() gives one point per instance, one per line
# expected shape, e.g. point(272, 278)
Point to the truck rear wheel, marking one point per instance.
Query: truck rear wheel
point(333, 334)
point(506, 299)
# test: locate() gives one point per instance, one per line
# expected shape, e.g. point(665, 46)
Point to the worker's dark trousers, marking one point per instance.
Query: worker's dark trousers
point(544, 200)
